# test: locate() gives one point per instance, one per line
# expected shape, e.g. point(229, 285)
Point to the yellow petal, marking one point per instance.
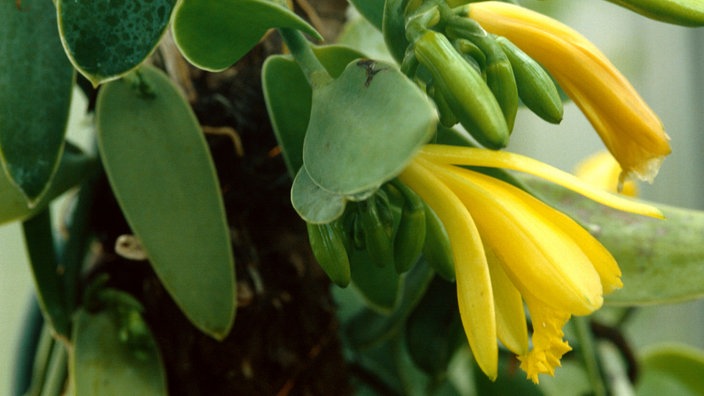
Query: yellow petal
point(601, 171)
point(474, 292)
point(539, 258)
point(510, 317)
point(628, 127)
point(502, 159)
point(548, 345)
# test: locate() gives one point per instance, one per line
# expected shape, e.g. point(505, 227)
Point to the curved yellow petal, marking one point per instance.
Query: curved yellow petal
point(539, 258)
point(511, 324)
point(501, 159)
point(628, 127)
point(474, 291)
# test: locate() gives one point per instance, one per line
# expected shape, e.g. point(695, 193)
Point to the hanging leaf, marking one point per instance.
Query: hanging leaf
point(351, 144)
point(159, 166)
point(106, 39)
point(671, 370)
point(288, 96)
point(661, 260)
point(73, 168)
point(214, 34)
point(35, 96)
point(114, 353)
point(48, 282)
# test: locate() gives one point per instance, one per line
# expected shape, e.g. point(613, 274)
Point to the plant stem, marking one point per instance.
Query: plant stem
point(302, 52)
point(589, 355)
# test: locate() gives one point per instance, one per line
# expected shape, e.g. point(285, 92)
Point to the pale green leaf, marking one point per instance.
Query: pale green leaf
point(214, 34)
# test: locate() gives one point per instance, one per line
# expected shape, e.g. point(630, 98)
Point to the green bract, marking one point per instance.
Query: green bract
point(364, 127)
point(107, 38)
point(160, 169)
point(35, 96)
point(214, 34)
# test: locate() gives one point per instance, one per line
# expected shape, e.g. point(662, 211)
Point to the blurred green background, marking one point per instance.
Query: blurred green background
point(664, 64)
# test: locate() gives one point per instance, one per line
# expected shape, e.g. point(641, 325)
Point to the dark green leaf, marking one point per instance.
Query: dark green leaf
point(364, 127)
point(114, 352)
point(369, 327)
point(434, 330)
point(214, 34)
point(45, 270)
point(35, 96)
point(106, 39)
point(159, 166)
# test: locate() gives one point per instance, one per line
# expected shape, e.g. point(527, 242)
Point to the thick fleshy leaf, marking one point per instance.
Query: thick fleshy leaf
point(671, 370)
point(288, 97)
point(364, 127)
point(106, 39)
point(314, 204)
point(159, 166)
point(114, 353)
point(660, 260)
point(214, 34)
point(73, 168)
point(35, 96)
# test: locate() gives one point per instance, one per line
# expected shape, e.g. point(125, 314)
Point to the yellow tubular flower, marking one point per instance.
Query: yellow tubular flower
point(628, 127)
point(511, 248)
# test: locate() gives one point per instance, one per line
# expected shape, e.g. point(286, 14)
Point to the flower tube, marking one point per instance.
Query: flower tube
point(510, 248)
point(627, 126)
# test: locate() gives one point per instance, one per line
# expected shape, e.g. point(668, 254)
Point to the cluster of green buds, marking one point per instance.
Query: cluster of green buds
point(475, 78)
point(392, 227)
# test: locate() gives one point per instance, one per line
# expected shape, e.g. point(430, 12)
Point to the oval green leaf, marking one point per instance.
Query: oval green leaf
point(313, 204)
point(365, 127)
point(114, 353)
point(35, 96)
point(661, 260)
point(159, 166)
point(214, 34)
point(106, 39)
point(288, 96)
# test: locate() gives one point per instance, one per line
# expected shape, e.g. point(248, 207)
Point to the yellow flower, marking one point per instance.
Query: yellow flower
point(629, 128)
point(601, 170)
point(510, 248)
